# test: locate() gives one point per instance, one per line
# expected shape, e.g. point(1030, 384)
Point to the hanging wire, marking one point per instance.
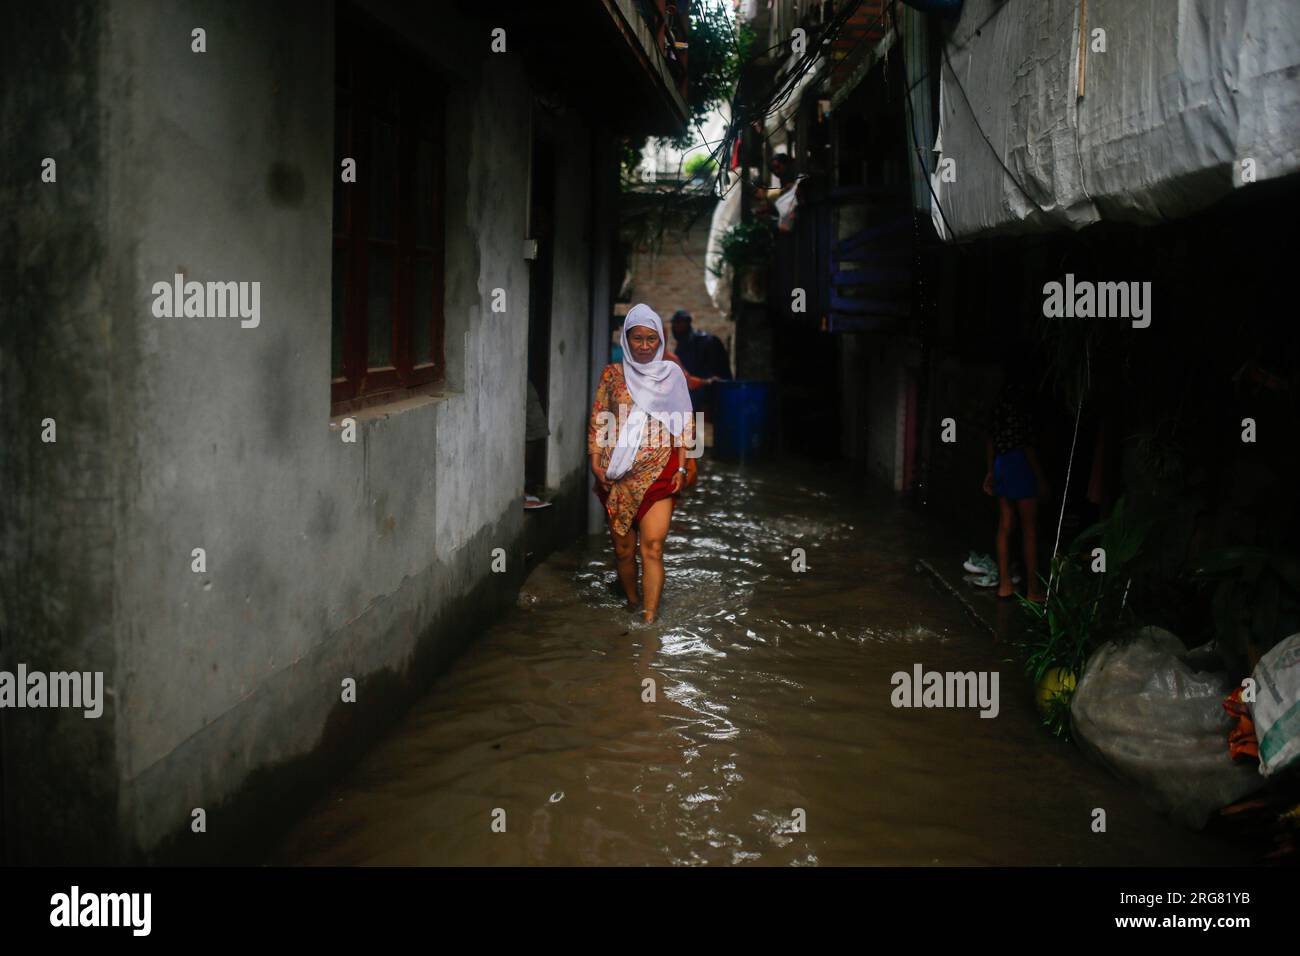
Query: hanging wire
point(742, 114)
point(1051, 573)
point(911, 125)
point(983, 136)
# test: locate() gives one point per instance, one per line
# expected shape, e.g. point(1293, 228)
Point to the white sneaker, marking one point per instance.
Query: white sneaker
point(988, 580)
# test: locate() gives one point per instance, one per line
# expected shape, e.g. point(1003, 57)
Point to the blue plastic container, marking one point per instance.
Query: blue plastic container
point(742, 421)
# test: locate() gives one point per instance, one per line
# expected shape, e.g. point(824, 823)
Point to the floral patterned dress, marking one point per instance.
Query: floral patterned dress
point(654, 455)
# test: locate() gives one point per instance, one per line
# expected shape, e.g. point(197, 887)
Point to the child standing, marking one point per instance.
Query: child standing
point(1015, 477)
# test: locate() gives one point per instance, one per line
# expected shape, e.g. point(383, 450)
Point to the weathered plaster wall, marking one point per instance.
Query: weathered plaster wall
point(887, 360)
point(326, 560)
point(57, 338)
point(569, 401)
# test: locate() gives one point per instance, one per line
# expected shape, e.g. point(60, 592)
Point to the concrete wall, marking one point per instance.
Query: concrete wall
point(855, 395)
point(885, 414)
point(570, 399)
point(605, 154)
point(576, 267)
point(59, 340)
point(325, 560)
point(877, 402)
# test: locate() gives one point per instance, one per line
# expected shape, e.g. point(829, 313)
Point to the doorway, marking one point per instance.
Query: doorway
point(541, 228)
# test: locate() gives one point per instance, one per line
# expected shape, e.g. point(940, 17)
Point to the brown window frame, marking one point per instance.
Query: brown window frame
point(378, 80)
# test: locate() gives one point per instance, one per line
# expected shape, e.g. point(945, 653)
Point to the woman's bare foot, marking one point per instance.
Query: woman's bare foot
point(648, 616)
point(1036, 596)
point(1005, 589)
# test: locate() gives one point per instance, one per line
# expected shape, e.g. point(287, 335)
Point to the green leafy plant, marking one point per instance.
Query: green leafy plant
point(1063, 625)
point(1121, 535)
point(717, 51)
point(746, 245)
point(1062, 633)
point(1084, 607)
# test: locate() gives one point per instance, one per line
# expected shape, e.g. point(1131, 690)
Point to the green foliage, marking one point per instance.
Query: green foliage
point(1062, 626)
point(1085, 608)
point(1147, 537)
point(699, 165)
point(1067, 349)
point(1082, 609)
point(746, 245)
point(1057, 718)
point(630, 158)
point(1217, 519)
point(1253, 576)
point(746, 40)
point(1054, 643)
point(716, 52)
point(1256, 596)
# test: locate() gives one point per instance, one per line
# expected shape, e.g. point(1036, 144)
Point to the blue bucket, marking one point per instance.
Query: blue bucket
point(742, 420)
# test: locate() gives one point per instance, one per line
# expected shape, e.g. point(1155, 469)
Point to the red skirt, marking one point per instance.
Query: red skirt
point(660, 488)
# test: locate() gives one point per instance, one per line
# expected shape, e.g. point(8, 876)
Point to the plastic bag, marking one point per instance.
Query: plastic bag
point(785, 206)
point(1276, 709)
point(1149, 715)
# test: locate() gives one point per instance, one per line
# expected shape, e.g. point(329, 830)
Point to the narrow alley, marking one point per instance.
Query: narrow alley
point(773, 693)
point(649, 436)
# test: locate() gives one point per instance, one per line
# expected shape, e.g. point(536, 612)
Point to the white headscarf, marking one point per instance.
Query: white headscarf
point(658, 390)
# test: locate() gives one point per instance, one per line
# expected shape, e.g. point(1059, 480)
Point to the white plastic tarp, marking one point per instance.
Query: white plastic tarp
point(725, 214)
point(1188, 100)
point(780, 119)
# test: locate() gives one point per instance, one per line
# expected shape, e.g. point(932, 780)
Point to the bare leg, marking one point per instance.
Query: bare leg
point(1006, 518)
point(625, 558)
point(1028, 508)
point(654, 529)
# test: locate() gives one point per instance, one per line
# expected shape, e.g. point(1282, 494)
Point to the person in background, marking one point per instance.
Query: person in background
point(702, 355)
point(782, 167)
point(616, 345)
point(1015, 478)
point(693, 382)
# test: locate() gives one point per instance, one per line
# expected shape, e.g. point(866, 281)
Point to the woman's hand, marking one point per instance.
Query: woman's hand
point(599, 472)
point(988, 484)
point(679, 482)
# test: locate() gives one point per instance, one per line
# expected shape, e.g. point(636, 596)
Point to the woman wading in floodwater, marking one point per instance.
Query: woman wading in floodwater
point(641, 423)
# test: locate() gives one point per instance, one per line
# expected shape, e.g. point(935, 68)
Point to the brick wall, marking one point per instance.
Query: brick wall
point(672, 277)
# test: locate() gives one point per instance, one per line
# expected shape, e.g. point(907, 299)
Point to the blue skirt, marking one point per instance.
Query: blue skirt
point(1013, 478)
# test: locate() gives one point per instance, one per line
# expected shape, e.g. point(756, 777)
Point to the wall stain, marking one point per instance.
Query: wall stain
point(323, 521)
point(285, 184)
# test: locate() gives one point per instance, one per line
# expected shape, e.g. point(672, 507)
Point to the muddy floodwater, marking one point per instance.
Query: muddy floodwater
point(772, 711)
